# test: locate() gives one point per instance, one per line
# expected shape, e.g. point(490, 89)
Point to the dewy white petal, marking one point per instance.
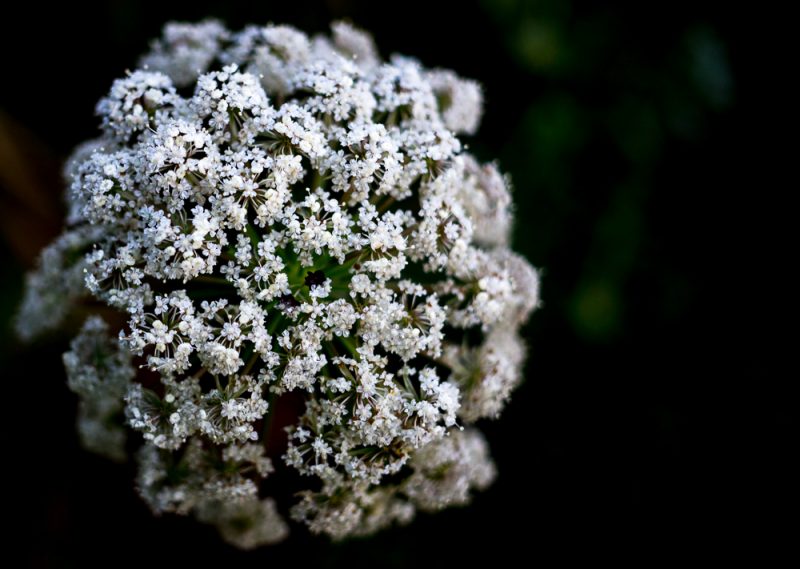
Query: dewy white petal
point(268, 213)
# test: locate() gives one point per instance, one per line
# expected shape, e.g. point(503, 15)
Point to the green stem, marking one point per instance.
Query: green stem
point(250, 364)
point(350, 344)
point(212, 280)
point(273, 325)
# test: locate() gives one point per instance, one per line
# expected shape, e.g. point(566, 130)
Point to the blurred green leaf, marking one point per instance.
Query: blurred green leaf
point(595, 310)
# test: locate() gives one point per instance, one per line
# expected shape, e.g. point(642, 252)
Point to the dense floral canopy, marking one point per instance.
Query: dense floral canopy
point(282, 216)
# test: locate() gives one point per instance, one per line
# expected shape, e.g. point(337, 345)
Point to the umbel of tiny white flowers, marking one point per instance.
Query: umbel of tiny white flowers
point(275, 214)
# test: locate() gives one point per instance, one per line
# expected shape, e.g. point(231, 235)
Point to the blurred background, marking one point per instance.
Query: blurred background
point(646, 187)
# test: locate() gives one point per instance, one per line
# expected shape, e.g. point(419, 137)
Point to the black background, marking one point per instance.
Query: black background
point(642, 142)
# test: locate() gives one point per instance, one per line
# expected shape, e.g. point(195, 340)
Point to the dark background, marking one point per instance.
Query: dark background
point(642, 141)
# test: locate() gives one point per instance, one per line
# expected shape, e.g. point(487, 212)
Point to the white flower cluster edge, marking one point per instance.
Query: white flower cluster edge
point(282, 218)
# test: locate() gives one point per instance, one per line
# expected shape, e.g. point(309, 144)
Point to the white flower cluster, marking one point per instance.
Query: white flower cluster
point(289, 223)
point(99, 371)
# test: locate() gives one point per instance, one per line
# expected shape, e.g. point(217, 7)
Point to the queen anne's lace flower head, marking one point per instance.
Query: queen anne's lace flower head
point(289, 223)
